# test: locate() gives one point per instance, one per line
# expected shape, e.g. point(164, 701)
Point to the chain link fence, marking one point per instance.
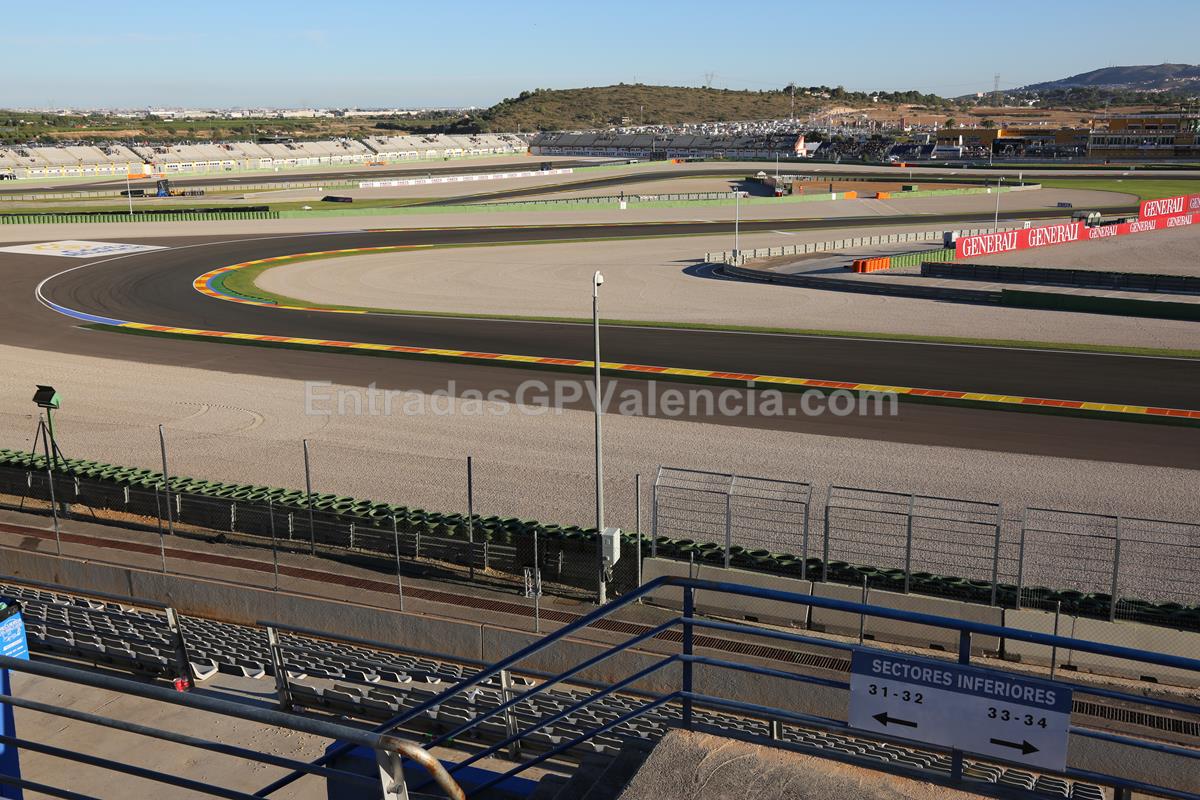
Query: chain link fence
point(475, 520)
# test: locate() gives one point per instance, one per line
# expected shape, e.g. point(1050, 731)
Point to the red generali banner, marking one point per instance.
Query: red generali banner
point(1170, 206)
point(988, 244)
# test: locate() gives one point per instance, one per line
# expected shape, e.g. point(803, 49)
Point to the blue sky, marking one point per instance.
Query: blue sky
point(367, 53)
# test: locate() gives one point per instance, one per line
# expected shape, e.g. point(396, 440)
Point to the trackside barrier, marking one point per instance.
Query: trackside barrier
point(751, 523)
point(389, 750)
point(468, 178)
point(742, 256)
point(704, 682)
point(32, 219)
point(1084, 278)
point(871, 264)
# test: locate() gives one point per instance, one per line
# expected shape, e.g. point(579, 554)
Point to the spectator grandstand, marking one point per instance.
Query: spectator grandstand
point(83, 160)
point(670, 145)
point(40, 161)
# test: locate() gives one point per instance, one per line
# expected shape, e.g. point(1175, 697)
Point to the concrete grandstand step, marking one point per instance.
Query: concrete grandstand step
point(617, 775)
point(589, 771)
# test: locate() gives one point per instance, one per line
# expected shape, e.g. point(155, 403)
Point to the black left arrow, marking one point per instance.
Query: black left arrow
point(884, 720)
point(1025, 747)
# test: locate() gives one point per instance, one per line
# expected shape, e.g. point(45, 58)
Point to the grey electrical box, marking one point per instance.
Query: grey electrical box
point(610, 544)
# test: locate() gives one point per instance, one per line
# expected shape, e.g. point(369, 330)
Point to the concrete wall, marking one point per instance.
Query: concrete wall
point(1153, 638)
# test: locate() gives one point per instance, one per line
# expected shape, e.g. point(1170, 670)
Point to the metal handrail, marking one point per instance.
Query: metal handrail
point(687, 658)
point(329, 730)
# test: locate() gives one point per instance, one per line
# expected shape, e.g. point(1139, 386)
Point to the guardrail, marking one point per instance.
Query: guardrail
point(742, 256)
point(390, 750)
point(48, 219)
point(1176, 777)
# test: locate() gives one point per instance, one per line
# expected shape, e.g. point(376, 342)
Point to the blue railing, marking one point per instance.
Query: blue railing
point(686, 698)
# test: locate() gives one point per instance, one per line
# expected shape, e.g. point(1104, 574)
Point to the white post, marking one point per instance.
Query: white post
point(128, 193)
point(996, 220)
point(597, 280)
point(737, 222)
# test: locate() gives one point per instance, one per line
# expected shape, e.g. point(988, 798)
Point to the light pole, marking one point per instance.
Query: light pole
point(996, 219)
point(597, 280)
point(129, 194)
point(737, 221)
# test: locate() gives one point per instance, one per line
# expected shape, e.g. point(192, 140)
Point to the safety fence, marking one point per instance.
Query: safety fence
point(137, 216)
point(617, 198)
point(742, 256)
point(1107, 567)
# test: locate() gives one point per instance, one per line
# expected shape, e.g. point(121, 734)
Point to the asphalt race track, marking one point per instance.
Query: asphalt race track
point(156, 288)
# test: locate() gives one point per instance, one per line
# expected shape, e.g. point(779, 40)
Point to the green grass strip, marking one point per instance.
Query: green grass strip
point(1142, 189)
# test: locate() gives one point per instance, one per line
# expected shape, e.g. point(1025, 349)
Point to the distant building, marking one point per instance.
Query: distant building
point(1017, 141)
point(1152, 135)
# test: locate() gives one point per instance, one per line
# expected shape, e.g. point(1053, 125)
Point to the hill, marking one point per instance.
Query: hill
point(633, 104)
point(1148, 78)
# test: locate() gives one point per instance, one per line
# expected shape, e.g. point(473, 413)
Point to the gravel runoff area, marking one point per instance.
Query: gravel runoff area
point(240, 428)
point(663, 280)
point(984, 205)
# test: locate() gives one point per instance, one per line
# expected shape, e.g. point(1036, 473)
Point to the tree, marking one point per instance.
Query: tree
point(951, 122)
point(987, 123)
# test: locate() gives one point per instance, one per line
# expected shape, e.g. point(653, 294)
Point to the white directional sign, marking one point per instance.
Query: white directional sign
point(73, 248)
point(975, 710)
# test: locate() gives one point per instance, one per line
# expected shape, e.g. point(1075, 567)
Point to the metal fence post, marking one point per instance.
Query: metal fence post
point(1054, 648)
point(162, 548)
point(637, 515)
point(162, 446)
point(728, 525)
point(274, 543)
point(654, 515)
point(804, 555)
point(908, 537)
point(862, 617)
point(996, 555)
point(399, 580)
point(312, 535)
point(1021, 566)
point(689, 610)
point(471, 518)
point(1112, 608)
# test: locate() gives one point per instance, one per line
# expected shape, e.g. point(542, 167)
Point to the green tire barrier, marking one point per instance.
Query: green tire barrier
point(919, 257)
point(566, 553)
point(1097, 304)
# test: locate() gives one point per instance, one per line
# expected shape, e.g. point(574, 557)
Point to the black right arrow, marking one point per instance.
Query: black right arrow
point(884, 720)
point(1025, 747)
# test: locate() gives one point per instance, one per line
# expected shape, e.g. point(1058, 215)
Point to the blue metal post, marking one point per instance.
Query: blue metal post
point(964, 657)
point(14, 645)
point(689, 610)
